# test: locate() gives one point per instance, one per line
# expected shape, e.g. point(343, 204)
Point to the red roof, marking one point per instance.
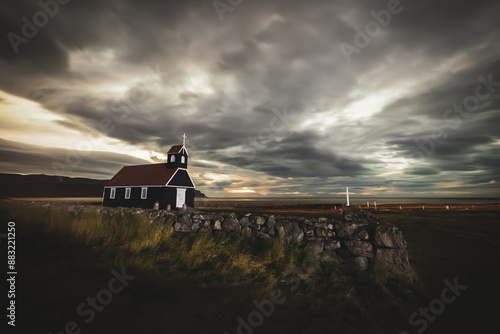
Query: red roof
point(176, 149)
point(142, 175)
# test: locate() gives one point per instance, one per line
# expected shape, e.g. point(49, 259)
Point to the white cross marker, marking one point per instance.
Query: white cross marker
point(347, 193)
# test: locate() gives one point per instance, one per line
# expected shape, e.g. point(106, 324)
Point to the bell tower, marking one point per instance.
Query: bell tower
point(178, 155)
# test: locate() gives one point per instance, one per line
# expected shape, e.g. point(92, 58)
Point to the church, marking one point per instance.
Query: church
point(153, 185)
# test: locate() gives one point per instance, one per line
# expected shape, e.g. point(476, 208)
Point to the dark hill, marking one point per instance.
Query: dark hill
point(39, 185)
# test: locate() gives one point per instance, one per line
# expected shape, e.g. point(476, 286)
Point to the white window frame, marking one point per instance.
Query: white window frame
point(172, 158)
point(144, 192)
point(127, 192)
point(112, 193)
point(183, 159)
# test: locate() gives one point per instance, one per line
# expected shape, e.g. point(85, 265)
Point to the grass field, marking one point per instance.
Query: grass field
point(202, 283)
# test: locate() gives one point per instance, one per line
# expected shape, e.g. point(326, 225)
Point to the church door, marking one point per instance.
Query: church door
point(181, 197)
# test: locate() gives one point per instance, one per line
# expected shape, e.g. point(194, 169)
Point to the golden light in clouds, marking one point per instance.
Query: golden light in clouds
point(243, 190)
point(27, 122)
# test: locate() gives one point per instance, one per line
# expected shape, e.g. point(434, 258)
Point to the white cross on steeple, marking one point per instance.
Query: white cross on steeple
point(184, 140)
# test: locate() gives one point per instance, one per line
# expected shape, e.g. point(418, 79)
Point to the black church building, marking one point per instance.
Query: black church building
point(147, 186)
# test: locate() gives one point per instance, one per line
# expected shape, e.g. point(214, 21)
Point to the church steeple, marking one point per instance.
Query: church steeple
point(178, 155)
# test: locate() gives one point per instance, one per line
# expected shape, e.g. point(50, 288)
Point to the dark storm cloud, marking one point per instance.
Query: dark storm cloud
point(423, 171)
point(221, 185)
point(220, 81)
point(303, 159)
point(202, 164)
point(434, 99)
point(295, 155)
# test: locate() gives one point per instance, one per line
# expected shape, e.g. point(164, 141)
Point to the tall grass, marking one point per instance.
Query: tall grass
point(223, 257)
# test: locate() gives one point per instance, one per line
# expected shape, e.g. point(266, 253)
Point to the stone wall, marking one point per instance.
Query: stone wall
point(358, 240)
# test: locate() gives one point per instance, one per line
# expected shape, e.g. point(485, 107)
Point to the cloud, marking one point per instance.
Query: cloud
point(367, 123)
point(26, 159)
point(423, 171)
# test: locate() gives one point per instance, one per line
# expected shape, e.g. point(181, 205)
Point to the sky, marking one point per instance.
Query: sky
point(277, 98)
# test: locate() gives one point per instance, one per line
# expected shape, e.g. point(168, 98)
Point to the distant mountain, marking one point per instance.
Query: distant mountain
point(39, 185)
point(198, 193)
